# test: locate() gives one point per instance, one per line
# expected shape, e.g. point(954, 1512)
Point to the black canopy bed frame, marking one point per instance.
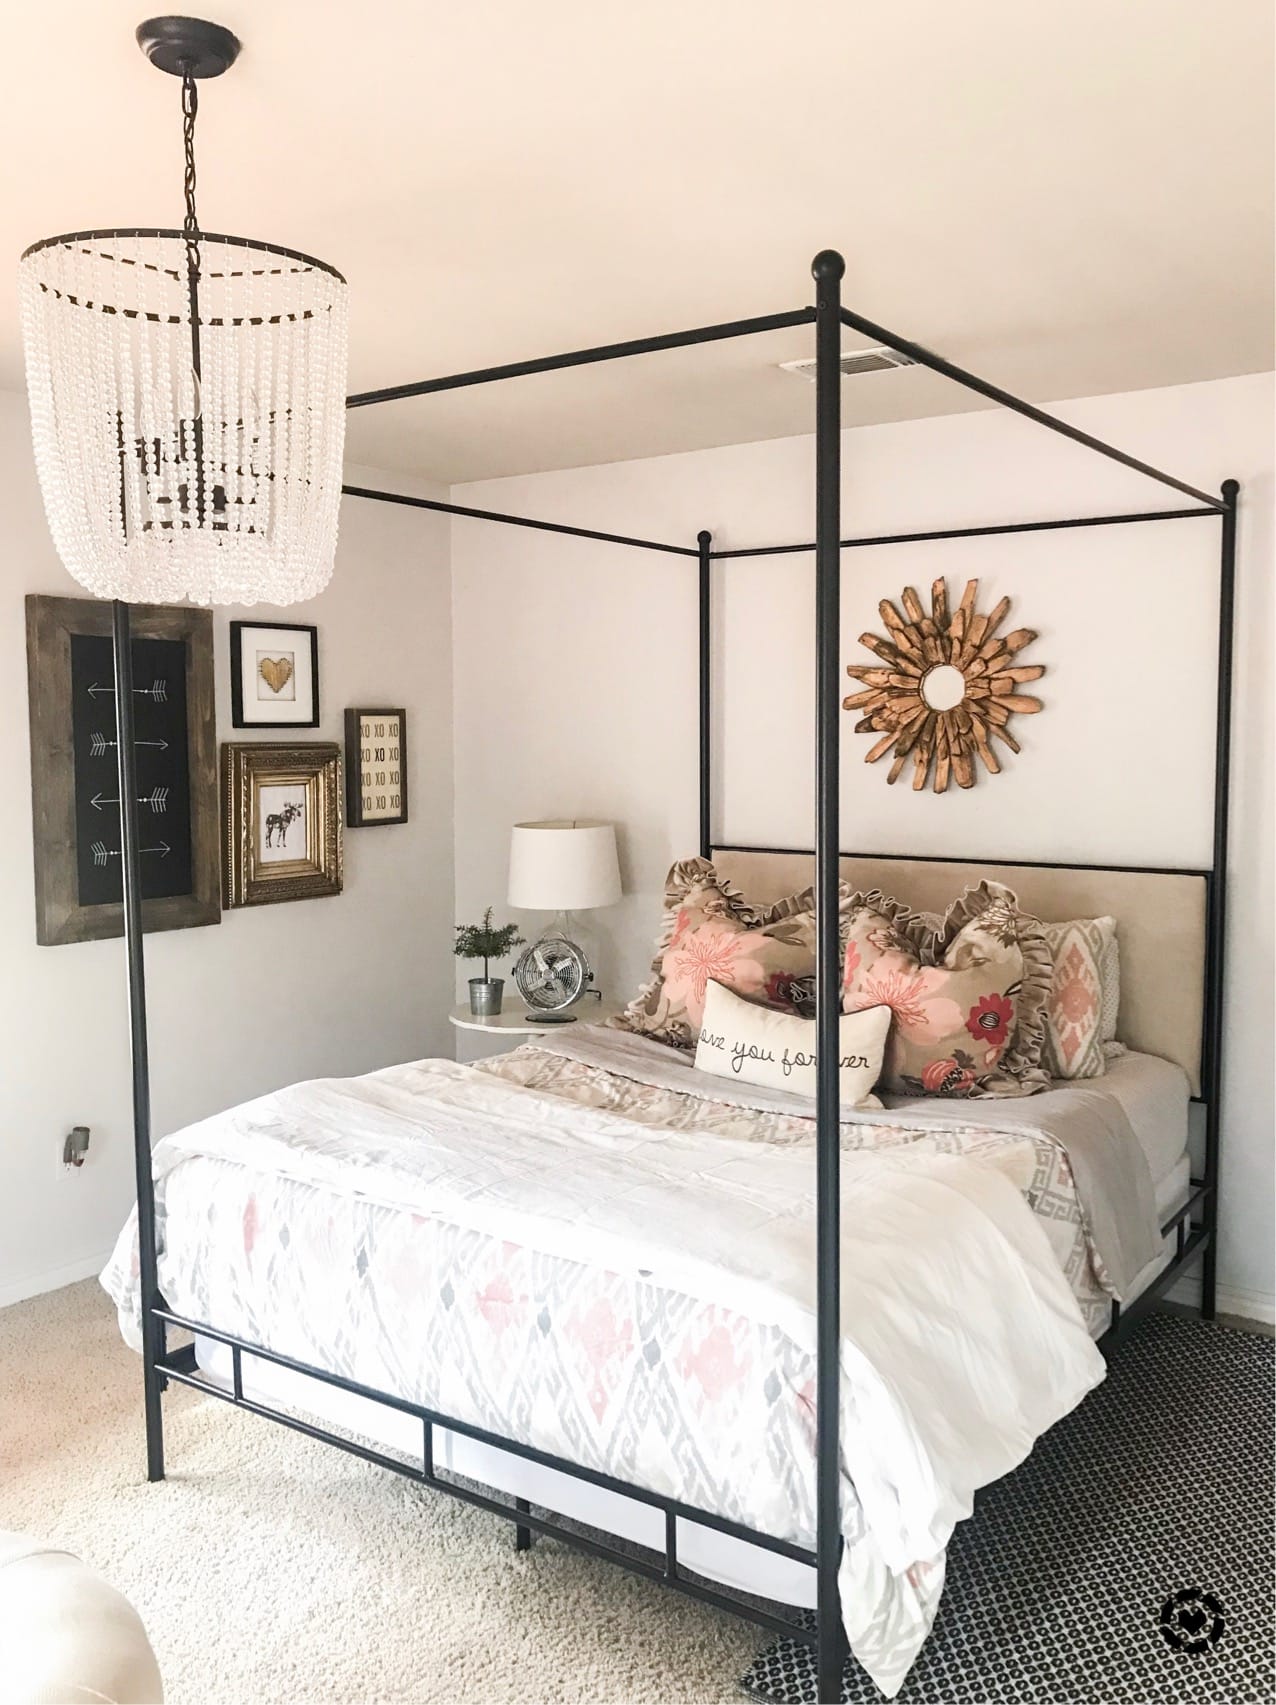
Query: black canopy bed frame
point(1194, 1225)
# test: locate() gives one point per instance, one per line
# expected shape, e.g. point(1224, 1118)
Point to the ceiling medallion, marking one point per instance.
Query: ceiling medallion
point(946, 686)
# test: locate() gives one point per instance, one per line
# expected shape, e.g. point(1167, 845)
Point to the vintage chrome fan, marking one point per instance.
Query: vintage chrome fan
point(552, 975)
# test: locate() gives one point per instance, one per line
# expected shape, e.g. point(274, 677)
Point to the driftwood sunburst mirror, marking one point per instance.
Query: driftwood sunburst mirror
point(945, 687)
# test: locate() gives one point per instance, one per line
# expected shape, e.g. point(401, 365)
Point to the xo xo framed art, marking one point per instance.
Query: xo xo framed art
point(376, 768)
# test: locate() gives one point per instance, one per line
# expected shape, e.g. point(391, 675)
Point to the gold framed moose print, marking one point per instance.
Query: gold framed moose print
point(281, 822)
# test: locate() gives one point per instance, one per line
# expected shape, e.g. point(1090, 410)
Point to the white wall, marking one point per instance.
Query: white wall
point(575, 672)
point(270, 994)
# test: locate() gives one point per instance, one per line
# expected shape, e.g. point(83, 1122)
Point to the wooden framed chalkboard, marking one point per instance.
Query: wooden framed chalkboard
point(75, 782)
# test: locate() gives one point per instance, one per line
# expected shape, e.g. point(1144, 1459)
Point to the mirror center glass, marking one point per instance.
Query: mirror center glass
point(943, 687)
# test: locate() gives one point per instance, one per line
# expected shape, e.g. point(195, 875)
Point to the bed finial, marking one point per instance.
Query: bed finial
point(828, 264)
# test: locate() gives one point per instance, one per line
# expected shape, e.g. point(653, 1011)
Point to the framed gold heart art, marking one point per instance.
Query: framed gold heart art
point(274, 675)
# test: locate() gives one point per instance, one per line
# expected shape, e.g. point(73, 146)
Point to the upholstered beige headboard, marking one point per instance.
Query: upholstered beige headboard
point(1160, 918)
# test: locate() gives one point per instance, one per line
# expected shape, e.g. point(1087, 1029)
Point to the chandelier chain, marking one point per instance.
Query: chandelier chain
point(190, 227)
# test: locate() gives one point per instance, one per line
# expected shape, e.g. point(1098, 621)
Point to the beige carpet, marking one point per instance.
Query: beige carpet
point(271, 1569)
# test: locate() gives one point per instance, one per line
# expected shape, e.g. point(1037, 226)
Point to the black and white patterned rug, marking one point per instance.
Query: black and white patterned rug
point(1130, 1559)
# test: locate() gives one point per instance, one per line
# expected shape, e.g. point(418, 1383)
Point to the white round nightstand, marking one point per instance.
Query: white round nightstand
point(515, 1020)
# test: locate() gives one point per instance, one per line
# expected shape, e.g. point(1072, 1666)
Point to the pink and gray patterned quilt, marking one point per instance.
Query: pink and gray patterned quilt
point(620, 1272)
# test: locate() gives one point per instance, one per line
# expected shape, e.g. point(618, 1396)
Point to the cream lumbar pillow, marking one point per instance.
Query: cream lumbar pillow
point(776, 1050)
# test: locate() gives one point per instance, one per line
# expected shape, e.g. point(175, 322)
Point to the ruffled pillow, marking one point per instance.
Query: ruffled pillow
point(709, 931)
point(969, 992)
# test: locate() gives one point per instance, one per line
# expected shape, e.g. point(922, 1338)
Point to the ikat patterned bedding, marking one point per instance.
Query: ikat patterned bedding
point(621, 1273)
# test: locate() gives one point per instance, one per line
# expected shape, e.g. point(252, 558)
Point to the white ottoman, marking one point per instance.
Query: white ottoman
point(66, 1636)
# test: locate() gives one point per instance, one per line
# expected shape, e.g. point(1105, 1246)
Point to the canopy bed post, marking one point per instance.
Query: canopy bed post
point(705, 542)
point(125, 469)
point(153, 1328)
point(1218, 893)
point(828, 268)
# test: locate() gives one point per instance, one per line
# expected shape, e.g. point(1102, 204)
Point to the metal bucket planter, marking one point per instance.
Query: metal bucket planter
point(485, 996)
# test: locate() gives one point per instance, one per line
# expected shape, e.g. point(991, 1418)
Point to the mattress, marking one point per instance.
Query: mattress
point(1156, 1100)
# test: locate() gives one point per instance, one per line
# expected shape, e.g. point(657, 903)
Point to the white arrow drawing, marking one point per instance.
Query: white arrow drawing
point(98, 744)
point(101, 853)
point(158, 690)
point(157, 799)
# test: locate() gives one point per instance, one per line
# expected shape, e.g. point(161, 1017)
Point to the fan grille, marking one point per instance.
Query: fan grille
point(552, 974)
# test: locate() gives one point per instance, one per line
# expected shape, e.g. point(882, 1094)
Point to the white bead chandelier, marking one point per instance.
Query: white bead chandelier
point(187, 394)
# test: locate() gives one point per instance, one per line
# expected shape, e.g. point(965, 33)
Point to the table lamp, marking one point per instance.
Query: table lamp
point(563, 865)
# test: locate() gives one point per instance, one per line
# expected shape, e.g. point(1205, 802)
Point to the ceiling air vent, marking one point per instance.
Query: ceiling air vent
point(854, 362)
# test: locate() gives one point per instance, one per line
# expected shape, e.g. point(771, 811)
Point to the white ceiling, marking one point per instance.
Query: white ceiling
point(1068, 196)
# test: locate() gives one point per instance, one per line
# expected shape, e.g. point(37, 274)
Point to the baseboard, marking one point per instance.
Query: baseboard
point(53, 1278)
point(1229, 1299)
point(1248, 1305)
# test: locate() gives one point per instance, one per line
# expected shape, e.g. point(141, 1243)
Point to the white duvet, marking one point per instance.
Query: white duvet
point(961, 1343)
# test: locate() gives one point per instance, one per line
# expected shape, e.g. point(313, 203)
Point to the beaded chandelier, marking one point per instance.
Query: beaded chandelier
point(187, 393)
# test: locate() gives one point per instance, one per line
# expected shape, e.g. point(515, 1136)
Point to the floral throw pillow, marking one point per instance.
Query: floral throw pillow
point(710, 932)
point(1084, 994)
point(968, 991)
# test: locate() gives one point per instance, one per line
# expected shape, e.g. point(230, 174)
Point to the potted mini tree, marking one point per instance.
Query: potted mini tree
point(486, 942)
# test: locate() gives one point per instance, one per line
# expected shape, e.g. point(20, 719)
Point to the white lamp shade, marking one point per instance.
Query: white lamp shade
point(564, 865)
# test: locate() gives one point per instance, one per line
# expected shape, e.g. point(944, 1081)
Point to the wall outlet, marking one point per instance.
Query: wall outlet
point(76, 1146)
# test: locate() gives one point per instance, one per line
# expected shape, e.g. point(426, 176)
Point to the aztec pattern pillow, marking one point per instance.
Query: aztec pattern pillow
point(969, 992)
point(1084, 996)
point(711, 932)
